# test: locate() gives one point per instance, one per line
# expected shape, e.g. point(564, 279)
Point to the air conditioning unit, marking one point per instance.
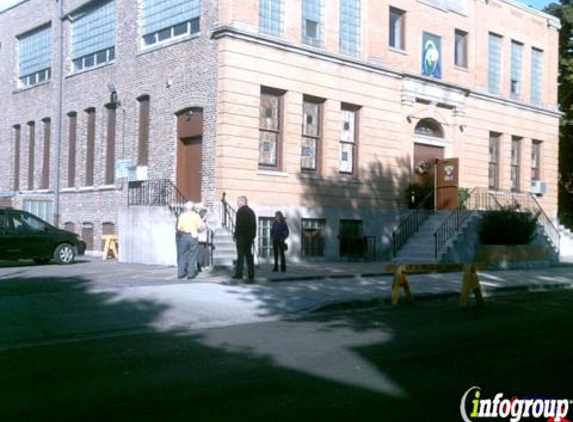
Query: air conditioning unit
point(538, 187)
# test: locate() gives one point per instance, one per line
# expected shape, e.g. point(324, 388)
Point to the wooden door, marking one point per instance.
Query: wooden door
point(425, 157)
point(190, 154)
point(447, 184)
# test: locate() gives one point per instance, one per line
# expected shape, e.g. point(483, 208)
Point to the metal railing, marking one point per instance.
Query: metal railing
point(412, 222)
point(483, 199)
point(160, 192)
point(229, 215)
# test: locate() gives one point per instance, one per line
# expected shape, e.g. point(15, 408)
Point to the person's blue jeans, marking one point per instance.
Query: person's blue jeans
point(186, 256)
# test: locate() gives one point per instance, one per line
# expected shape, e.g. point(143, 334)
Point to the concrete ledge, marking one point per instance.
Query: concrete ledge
point(515, 256)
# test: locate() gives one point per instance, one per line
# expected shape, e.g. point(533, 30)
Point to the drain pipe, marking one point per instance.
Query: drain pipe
point(60, 111)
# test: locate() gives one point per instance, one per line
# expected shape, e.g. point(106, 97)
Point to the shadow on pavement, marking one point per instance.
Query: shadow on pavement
point(69, 353)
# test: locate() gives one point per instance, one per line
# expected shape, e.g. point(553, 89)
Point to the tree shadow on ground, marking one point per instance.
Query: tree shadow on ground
point(70, 352)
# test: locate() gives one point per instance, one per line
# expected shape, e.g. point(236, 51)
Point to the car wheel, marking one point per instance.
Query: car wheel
point(42, 261)
point(64, 254)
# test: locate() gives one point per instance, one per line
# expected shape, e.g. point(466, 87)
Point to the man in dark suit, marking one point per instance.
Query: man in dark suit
point(245, 233)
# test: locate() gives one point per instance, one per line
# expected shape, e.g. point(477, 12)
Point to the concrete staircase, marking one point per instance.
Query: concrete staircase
point(225, 252)
point(420, 247)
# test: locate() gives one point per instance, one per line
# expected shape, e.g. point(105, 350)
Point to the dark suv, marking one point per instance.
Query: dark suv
point(25, 236)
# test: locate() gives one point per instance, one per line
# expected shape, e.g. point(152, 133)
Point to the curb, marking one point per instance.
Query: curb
point(350, 305)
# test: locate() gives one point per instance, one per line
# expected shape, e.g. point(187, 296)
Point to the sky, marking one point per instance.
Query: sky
point(538, 4)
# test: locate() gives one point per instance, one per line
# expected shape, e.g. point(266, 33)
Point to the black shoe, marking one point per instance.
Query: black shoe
point(250, 280)
point(283, 269)
point(237, 277)
point(275, 270)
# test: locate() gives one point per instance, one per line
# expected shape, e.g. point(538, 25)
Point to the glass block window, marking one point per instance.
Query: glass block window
point(493, 169)
point(348, 140)
point(536, 75)
point(494, 64)
point(461, 49)
point(93, 35)
point(515, 163)
point(311, 133)
point(312, 22)
point(34, 56)
point(264, 236)
point(516, 72)
point(42, 209)
point(313, 230)
point(166, 19)
point(269, 129)
point(396, 36)
point(350, 27)
point(271, 17)
point(536, 160)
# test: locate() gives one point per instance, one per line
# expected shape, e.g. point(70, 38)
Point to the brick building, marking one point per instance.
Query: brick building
point(326, 110)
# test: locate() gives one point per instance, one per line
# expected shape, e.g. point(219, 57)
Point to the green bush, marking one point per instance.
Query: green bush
point(507, 227)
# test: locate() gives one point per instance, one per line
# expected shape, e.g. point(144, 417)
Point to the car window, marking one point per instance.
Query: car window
point(4, 222)
point(27, 222)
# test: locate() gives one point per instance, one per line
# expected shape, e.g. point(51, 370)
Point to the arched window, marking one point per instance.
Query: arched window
point(88, 235)
point(70, 226)
point(107, 228)
point(429, 127)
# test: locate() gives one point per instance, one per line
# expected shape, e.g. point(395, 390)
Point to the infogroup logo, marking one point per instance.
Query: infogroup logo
point(473, 407)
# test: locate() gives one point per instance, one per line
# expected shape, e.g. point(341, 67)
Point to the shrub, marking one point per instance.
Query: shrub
point(507, 227)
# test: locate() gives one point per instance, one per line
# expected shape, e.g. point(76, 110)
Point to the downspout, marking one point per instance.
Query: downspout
point(60, 111)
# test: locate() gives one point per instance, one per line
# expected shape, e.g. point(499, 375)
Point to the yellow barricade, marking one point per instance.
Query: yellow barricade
point(110, 245)
point(470, 280)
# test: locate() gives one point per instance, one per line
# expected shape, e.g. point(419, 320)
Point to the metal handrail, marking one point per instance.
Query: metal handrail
point(159, 192)
point(229, 215)
point(411, 223)
point(451, 225)
point(483, 199)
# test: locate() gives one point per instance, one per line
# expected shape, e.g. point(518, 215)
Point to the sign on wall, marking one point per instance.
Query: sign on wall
point(431, 55)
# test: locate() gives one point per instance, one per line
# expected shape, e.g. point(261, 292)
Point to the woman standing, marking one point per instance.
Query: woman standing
point(279, 233)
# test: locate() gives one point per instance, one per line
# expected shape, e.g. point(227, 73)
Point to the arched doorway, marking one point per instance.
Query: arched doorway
point(428, 147)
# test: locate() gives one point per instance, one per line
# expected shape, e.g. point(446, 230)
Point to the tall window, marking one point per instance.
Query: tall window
point(93, 35)
point(313, 237)
point(461, 48)
point(110, 147)
point(88, 235)
point(271, 16)
point(31, 154)
point(348, 140)
point(350, 27)
point(516, 64)
point(90, 144)
point(46, 155)
point(72, 139)
point(17, 135)
point(536, 75)
point(494, 64)
point(515, 163)
point(536, 160)
point(397, 38)
point(34, 53)
point(311, 134)
point(143, 135)
point(264, 236)
point(312, 22)
point(163, 20)
point(270, 116)
point(493, 169)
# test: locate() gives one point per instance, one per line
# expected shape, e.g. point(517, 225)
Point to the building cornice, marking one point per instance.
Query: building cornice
point(459, 91)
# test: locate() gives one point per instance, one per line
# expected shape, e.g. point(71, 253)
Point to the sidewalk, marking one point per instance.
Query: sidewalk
point(99, 299)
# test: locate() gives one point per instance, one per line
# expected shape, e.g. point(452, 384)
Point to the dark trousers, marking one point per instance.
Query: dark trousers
point(279, 249)
point(245, 251)
point(186, 256)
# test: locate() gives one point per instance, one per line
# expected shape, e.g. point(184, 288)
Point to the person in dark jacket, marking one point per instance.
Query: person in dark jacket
point(279, 233)
point(245, 233)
